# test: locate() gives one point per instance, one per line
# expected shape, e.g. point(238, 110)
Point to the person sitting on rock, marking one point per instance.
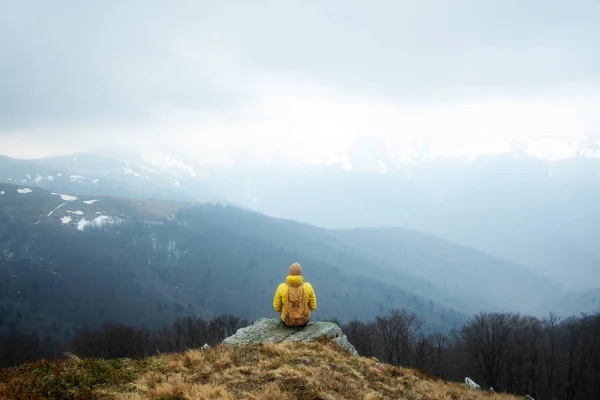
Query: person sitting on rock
point(295, 299)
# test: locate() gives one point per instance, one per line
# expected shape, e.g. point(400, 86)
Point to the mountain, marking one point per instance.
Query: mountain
point(69, 262)
point(94, 174)
point(480, 279)
point(540, 214)
point(537, 213)
point(573, 303)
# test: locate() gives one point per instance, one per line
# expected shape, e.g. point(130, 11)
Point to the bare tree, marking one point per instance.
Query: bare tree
point(577, 356)
point(361, 335)
point(486, 339)
point(224, 326)
point(431, 354)
point(550, 326)
point(397, 333)
point(594, 346)
point(113, 340)
point(439, 347)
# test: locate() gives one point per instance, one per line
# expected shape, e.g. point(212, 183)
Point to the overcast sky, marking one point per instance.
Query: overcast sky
point(299, 78)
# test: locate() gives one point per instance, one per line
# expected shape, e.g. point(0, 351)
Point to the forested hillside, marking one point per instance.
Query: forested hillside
point(482, 279)
point(70, 263)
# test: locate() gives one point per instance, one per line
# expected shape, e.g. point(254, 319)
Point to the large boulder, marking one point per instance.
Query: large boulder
point(470, 383)
point(267, 330)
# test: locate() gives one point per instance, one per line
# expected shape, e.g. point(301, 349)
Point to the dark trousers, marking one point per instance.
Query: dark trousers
point(300, 326)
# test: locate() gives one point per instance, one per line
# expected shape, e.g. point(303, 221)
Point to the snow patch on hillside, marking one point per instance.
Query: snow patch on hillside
point(24, 191)
point(102, 220)
point(82, 179)
point(76, 212)
point(129, 171)
point(2, 193)
point(90, 201)
point(145, 168)
point(167, 161)
point(52, 212)
point(77, 178)
point(66, 220)
point(39, 179)
point(65, 197)
point(97, 222)
point(82, 224)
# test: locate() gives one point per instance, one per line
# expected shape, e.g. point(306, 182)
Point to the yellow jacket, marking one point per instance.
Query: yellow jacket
point(281, 296)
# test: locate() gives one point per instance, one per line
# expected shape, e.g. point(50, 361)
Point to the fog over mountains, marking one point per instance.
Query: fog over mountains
point(445, 237)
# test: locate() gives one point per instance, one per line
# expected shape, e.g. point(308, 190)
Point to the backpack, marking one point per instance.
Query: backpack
point(296, 310)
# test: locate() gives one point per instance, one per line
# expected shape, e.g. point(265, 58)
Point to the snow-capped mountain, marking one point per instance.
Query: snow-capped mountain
point(538, 212)
point(167, 178)
point(384, 158)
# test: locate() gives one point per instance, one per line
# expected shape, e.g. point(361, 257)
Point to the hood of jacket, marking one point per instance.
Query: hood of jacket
point(294, 280)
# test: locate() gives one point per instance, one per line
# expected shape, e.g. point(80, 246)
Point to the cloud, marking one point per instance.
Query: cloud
point(294, 79)
point(288, 117)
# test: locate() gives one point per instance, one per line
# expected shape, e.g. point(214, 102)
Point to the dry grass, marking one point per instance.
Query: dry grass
point(285, 371)
point(317, 370)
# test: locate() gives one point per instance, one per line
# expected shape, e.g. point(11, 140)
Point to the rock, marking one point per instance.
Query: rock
point(343, 342)
point(471, 384)
point(268, 330)
point(528, 397)
point(491, 390)
point(205, 347)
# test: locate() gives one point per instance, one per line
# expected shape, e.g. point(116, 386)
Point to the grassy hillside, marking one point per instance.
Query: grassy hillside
point(318, 370)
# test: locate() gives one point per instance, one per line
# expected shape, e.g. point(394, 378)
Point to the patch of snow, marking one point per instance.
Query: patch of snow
point(80, 179)
point(177, 184)
point(145, 168)
point(166, 161)
point(60, 174)
point(102, 220)
point(95, 181)
point(90, 201)
point(2, 193)
point(76, 212)
point(24, 191)
point(129, 171)
point(28, 176)
point(65, 220)
point(82, 224)
point(95, 223)
point(52, 212)
point(39, 179)
point(66, 197)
